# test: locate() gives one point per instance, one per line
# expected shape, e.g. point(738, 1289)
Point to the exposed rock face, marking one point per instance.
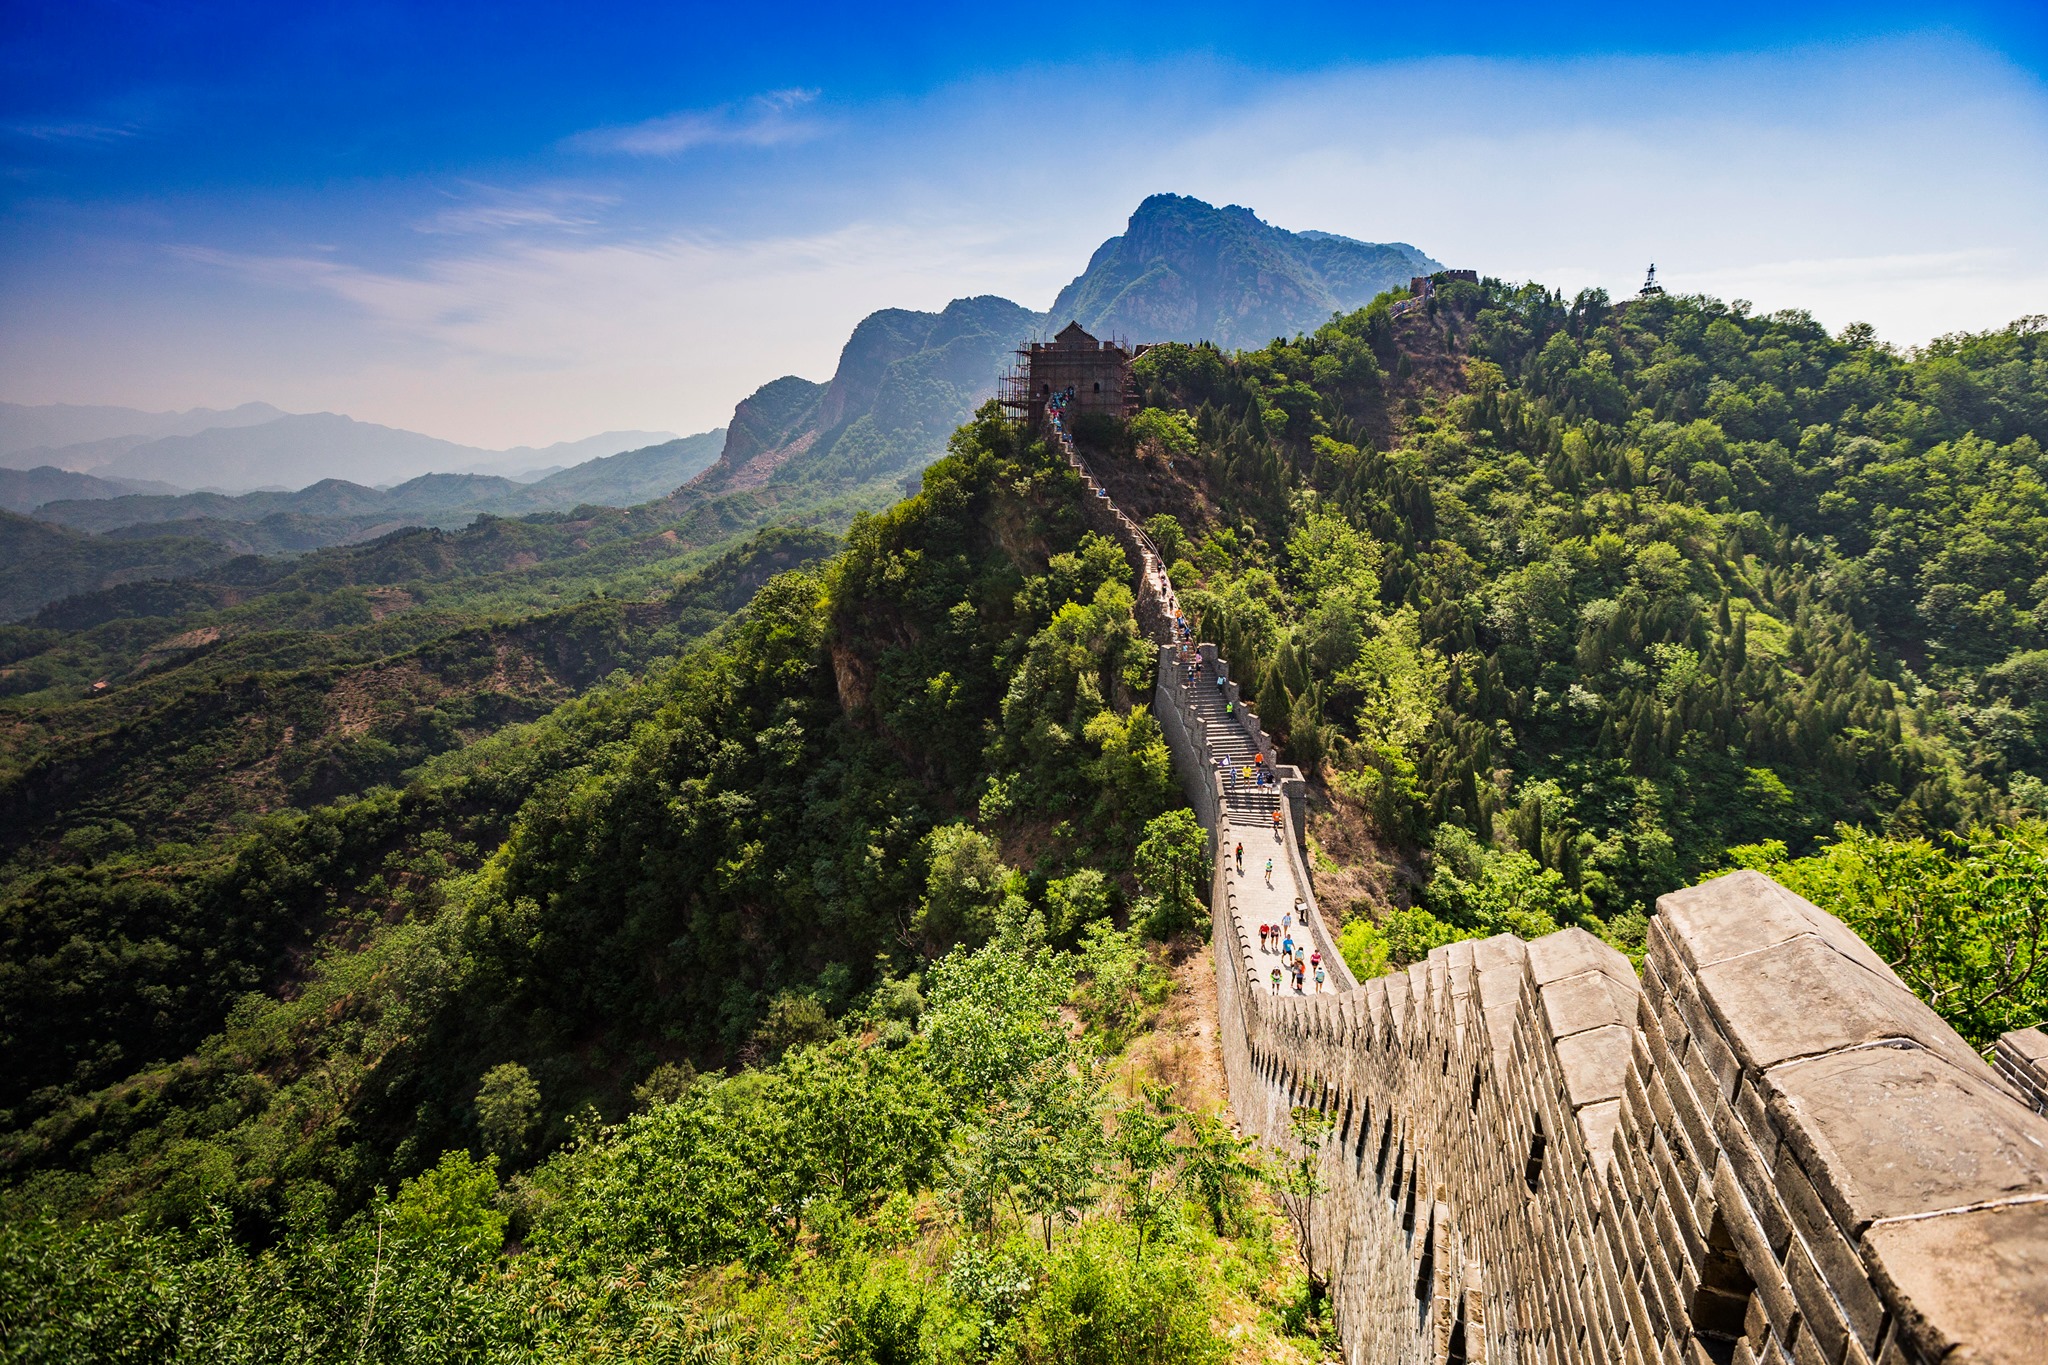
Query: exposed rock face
point(1186, 271)
point(763, 427)
point(905, 381)
point(1182, 271)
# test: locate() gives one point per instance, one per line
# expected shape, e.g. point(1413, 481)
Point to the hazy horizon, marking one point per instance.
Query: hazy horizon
point(542, 240)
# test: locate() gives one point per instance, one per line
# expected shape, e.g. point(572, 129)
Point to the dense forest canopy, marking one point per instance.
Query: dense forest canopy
point(805, 961)
point(1577, 596)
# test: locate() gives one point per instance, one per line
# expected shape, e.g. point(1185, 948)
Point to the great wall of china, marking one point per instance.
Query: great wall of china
point(1764, 1149)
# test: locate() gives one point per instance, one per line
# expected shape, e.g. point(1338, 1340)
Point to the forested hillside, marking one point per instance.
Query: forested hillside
point(615, 975)
point(1564, 600)
point(806, 904)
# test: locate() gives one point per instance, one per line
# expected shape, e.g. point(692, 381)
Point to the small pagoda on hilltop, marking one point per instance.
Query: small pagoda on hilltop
point(1095, 376)
point(1651, 289)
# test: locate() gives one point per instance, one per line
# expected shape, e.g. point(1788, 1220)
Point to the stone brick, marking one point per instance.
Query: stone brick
point(1598, 1124)
point(1837, 1261)
point(1660, 951)
point(1896, 1351)
point(1758, 1186)
point(1841, 1005)
point(1756, 1121)
point(1657, 1047)
point(1976, 1279)
point(1695, 1134)
point(1808, 1350)
point(1884, 1132)
point(1759, 1256)
point(1588, 1000)
point(2027, 1044)
point(1747, 911)
point(1819, 1315)
point(1756, 1322)
point(1595, 1063)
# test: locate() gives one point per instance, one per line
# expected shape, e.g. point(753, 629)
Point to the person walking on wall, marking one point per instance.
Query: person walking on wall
point(1269, 871)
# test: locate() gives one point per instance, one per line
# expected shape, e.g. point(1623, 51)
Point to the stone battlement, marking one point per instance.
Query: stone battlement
point(1762, 1150)
point(1767, 1149)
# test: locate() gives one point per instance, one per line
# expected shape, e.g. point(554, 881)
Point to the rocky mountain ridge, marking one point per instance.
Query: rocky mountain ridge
point(1182, 270)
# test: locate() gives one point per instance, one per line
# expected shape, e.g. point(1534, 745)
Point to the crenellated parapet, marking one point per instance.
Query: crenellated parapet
point(1761, 1150)
point(1764, 1149)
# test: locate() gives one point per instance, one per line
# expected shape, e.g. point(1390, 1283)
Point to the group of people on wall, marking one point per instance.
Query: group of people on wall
point(1278, 939)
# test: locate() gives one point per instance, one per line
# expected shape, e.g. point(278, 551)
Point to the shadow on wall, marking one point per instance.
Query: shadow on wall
point(1768, 1149)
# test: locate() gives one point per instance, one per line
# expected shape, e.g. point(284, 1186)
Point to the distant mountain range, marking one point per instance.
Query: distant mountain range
point(256, 446)
point(1183, 270)
point(22, 490)
point(47, 427)
point(336, 511)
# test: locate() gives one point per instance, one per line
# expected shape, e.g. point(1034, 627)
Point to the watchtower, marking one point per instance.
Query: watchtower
point(1096, 376)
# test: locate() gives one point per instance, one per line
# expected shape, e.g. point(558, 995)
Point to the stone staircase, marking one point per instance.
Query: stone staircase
point(1226, 739)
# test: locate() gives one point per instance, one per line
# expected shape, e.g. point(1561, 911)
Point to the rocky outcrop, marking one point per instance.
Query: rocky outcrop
point(905, 380)
point(1184, 270)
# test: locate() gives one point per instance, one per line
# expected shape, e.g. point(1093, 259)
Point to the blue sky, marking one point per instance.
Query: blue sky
point(522, 223)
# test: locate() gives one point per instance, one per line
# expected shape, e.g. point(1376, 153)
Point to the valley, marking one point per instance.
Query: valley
point(769, 918)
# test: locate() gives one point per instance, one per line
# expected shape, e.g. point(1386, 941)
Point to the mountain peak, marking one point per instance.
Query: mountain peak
point(1185, 270)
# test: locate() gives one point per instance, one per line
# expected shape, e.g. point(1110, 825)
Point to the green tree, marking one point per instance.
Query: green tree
point(1172, 862)
point(1117, 980)
point(1297, 1183)
point(457, 1200)
point(965, 887)
point(1062, 1148)
point(991, 1015)
point(863, 1121)
point(1218, 1167)
point(1142, 1144)
point(1074, 902)
point(1365, 947)
point(507, 1109)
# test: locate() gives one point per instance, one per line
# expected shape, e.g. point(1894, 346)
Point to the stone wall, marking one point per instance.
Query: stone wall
point(1762, 1150)
point(2022, 1059)
point(1765, 1150)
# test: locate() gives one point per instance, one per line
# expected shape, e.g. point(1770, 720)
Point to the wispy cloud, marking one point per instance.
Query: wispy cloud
point(764, 120)
point(491, 209)
point(79, 130)
point(512, 338)
point(523, 309)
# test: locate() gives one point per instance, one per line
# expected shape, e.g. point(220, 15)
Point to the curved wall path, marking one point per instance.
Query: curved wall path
point(1763, 1149)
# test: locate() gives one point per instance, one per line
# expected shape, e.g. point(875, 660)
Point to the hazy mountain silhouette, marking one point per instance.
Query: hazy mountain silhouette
point(1184, 270)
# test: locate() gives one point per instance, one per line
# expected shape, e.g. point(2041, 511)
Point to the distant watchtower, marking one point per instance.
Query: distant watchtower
point(1651, 289)
point(1097, 372)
